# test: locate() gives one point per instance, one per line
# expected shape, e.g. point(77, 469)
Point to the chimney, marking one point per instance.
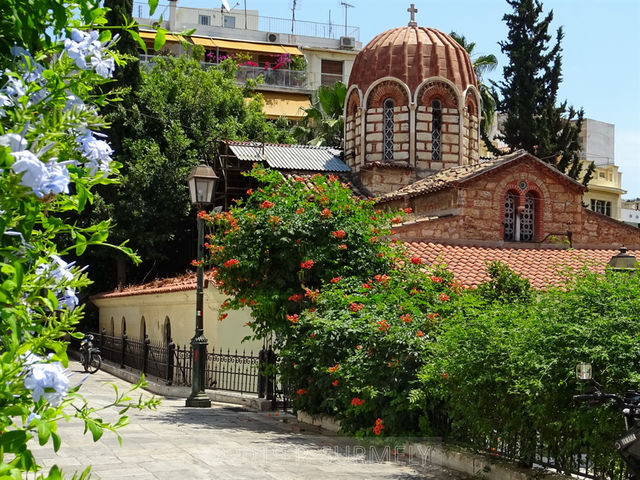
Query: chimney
point(172, 15)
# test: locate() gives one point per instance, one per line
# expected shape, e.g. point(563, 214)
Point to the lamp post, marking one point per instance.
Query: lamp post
point(623, 261)
point(202, 182)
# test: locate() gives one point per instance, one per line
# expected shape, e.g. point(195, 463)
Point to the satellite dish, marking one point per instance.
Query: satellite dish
point(225, 5)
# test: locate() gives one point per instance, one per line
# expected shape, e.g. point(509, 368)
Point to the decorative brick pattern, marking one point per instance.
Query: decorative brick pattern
point(450, 138)
point(353, 129)
point(412, 54)
point(374, 135)
point(384, 90)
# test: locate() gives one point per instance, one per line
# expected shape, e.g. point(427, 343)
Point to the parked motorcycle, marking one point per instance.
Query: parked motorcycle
point(629, 444)
point(89, 355)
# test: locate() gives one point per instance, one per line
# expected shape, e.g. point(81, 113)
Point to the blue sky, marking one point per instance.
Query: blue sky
point(601, 49)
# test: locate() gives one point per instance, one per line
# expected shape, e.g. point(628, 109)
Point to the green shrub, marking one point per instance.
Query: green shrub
point(507, 370)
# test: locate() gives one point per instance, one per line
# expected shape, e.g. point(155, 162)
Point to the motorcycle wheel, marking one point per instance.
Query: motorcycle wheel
point(93, 365)
point(83, 361)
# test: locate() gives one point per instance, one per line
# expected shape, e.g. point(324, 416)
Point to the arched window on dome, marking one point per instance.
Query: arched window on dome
point(436, 130)
point(387, 128)
point(519, 219)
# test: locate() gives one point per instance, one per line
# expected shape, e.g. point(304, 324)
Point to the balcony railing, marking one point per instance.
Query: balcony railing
point(253, 22)
point(280, 78)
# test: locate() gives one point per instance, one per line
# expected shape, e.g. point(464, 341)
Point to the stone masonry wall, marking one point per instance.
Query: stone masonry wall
point(374, 135)
point(450, 148)
point(599, 230)
point(382, 179)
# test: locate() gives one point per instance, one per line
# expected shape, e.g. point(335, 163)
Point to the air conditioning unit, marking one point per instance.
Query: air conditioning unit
point(273, 37)
point(347, 42)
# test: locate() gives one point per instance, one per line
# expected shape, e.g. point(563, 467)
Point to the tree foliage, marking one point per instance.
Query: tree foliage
point(507, 369)
point(323, 123)
point(174, 121)
point(528, 94)
point(482, 64)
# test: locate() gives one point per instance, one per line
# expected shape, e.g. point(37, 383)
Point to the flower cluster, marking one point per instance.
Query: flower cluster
point(46, 380)
point(59, 272)
point(86, 44)
point(307, 265)
point(379, 426)
point(356, 402)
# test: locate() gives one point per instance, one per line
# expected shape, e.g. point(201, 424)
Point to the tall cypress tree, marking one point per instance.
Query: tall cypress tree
point(528, 94)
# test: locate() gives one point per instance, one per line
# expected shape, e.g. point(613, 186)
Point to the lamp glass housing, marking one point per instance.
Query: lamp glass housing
point(202, 180)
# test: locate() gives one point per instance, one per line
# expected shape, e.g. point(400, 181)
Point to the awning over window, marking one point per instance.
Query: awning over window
point(229, 44)
point(255, 47)
point(285, 105)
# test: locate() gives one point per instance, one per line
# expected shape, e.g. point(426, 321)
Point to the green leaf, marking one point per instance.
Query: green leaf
point(153, 4)
point(13, 441)
point(188, 32)
point(56, 441)
point(160, 39)
point(81, 243)
point(54, 473)
point(136, 36)
point(95, 429)
point(44, 432)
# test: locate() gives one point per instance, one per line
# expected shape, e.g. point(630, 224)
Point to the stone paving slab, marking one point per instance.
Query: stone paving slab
point(222, 442)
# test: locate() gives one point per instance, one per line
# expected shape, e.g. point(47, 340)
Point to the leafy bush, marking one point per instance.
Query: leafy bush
point(507, 370)
point(276, 250)
point(356, 352)
point(504, 285)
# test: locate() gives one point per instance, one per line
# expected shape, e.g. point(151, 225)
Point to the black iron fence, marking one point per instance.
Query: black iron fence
point(234, 371)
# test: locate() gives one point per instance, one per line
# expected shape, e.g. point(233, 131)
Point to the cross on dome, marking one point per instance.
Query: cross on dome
point(413, 10)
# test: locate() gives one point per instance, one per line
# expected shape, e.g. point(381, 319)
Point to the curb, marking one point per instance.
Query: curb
point(476, 465)
point(473, 464)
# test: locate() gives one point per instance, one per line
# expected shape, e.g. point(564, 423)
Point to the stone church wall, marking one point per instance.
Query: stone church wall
point(474, 211)
point(599, 230)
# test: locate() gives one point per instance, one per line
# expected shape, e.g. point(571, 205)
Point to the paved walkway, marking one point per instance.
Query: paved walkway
point(222, 442)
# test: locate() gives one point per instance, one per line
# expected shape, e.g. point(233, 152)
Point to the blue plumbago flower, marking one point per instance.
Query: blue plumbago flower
point(86, 44)
point(69, 299)
point(97, 152)
point(48, 381)
point(74, 102)
point(32, 70)
point(32, 416)
point(80, 45)
point(58, 269)
point(43, 179)
point(4, 102)
point(14, 88)
point(14, 141)
point(103, 66)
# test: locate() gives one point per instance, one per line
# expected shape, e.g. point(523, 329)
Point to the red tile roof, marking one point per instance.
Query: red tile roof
point(468, 264)
point(184, 282)
point(541, 266)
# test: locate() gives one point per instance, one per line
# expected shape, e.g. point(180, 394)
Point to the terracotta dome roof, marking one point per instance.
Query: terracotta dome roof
point(412, 54)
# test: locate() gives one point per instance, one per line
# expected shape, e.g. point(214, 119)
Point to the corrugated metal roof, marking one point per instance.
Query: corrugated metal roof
point(291, 157)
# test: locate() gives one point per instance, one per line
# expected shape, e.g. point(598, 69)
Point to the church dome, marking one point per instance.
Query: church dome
point(412, 54)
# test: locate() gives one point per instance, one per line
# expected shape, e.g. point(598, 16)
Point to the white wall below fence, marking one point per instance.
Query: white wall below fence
point(155, 312)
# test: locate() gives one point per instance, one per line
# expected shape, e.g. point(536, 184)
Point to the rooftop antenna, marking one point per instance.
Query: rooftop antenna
point(330, 25)
point(293, 17)
point(346, 7)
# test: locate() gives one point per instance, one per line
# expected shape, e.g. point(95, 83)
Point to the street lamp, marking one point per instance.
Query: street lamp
point(202, 183)
point(623, 261)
